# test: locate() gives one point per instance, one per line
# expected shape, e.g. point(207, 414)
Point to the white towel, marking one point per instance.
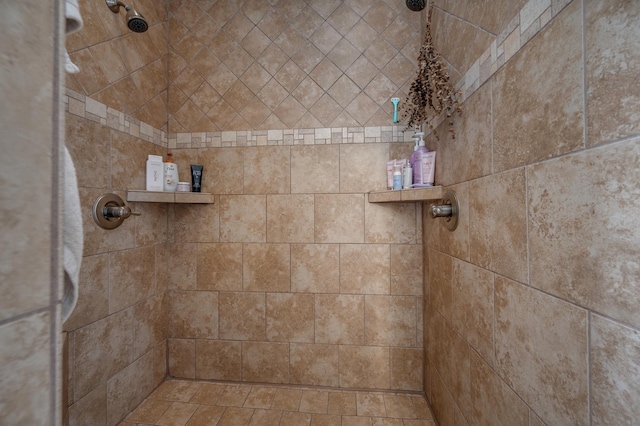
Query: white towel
point(72, 231)
point(73, 24)
point(72, 237)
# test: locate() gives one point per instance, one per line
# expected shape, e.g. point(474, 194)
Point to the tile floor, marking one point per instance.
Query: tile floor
point(192, 403)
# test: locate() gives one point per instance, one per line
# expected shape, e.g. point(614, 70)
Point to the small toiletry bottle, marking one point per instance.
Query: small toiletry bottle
point(416, 158)
point(170, 174)
point(397, 177)
point(407, 176)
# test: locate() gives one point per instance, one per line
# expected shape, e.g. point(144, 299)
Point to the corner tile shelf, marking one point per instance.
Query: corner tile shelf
point(170, 197)
point(406, 195)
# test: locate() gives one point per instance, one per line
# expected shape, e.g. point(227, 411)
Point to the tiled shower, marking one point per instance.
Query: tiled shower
point(524, 315)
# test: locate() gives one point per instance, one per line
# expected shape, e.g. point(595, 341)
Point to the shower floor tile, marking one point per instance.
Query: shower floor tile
point(193, 403)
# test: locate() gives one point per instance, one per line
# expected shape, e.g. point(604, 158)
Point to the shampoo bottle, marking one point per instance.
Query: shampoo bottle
point(170, 174)
point(416, 158)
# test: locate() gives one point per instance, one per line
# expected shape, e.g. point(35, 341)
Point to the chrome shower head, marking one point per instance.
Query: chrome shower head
point(135, 21)
point(416, 5)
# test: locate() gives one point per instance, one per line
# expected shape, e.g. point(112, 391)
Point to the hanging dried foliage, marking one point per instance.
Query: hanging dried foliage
point(431, 93)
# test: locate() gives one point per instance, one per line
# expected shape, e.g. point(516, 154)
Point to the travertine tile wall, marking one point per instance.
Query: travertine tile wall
point(531, 304)
point(117, 332)
point(292, 276)
point(124, 70)
point(269, 64)
point(30, 231)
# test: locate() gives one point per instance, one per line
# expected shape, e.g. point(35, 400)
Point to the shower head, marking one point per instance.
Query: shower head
point(135, 21)
point(416, 5)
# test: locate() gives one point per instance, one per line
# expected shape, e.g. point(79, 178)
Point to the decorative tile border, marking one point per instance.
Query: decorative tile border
point(531, 19)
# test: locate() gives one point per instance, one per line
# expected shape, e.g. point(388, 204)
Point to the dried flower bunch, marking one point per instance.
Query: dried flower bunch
point(431, 93)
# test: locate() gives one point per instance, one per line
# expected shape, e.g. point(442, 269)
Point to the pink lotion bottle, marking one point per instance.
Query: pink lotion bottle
point(416, 159)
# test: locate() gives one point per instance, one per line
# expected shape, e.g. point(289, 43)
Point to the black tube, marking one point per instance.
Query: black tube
point(196, 178)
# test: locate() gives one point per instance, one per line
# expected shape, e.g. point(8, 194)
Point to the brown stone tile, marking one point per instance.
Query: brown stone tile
point(129, 387)
point(356, 421)
point(350, 227)
point(208, 394)
point(339, 319)
point(89, 146)
point(364, 367)
point(493, 402)
point(497, 224)
point(390, 223)
point(343, 403)
point(610, 93)
point(286, 399)
point(182, 358)
point(219, 266)
point(290, 218)
point(554, 330)
point(272, 94)
point(188, 220)
point(265, 418)
point(93, 299)
point(406, 369)
point(195, 315)
point(326, 420)
point(131, 277)
point(315, 268)
point(442, 403)
point(242, 316)
point(390, 320)
point(577, 253)
point(149, 324)
point(313, 364)
point(234, 396)
point(615, 371)
point(266, 267)
point(91, 409)
point(308, 92)
point(267, 170)
point(399, 406)
point(128, 160)
point(406, 269)
point(243, 218)
point(290, 75)
point(314, 401)
point(290, 317)
point(265, 362)
point(181, 266)
point(218, 360)
point(366, 174)
point(296, 419)
point(314, 169)
point(362, 108)
point(177, 414)
point(472, 308)
point(260, 397)
point(455, 243)
point(205, 416)
point(387, 421)
point(548, 76)
point(290, 111)
point(371, 404)
point(364, 269)
point(234, 416)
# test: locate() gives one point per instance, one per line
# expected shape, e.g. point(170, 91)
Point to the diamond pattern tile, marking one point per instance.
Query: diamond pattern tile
point(253, 65)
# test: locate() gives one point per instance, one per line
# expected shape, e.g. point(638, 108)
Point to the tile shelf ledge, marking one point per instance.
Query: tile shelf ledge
point(406, 195)
point(169, 197)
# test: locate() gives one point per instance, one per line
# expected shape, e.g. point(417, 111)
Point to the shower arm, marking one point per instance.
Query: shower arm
point(114, 5)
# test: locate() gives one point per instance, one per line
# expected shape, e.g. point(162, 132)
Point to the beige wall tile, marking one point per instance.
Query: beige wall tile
point(472, 307)
point(266, 267)
point(151, 226)
point(182, 265)
point(286, 399)
point(89, 144)
point(442, 403)
point(494, 402)
point(498, 225)
point(219, 267)
point(315, 365)
point(182, 357)
point(194, 314)
point(406, 369)
point(160, 361)
point(101, 349)
point(128, 388)
point(131, 277)
point(243, 218)
point(548, 78)
point(365, 269)
point(218, 360)
point(315, 268)
point(267, 170)
point(314, 401)
point(97, 240)
point(349, 208)
point(390, 223)
point(223, 170)
point(343, 403)
point(440, 282)
point(128, 160)
point(315, 169)
point(406, 269)
point(92, 409)
point(290, 218)
point(149, 324)
point(550, 370)
point(242, 316)
point(93, 299)
point(612, 97)
point(364, 367)
point(390, 320)
point(188, 220)
point(265, 362)
point(290, 317)
point(339, 319)
point(363, 167)
point(615, 372)
point(600, 275)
